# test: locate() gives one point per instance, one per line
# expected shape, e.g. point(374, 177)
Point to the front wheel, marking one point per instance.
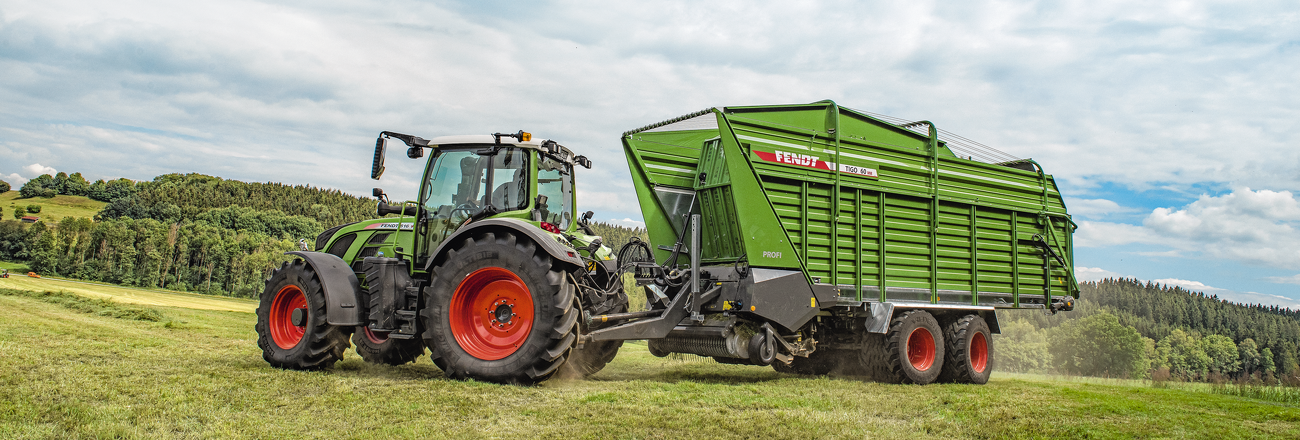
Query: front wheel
point(499, 312)
point(291, 326)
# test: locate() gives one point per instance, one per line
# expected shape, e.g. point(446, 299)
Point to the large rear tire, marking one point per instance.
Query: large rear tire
point(291, 326)
point(969, 351)
point(913, 349)
point(499, 312)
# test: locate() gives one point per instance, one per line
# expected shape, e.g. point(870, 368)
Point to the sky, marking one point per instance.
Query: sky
point(1169, 126)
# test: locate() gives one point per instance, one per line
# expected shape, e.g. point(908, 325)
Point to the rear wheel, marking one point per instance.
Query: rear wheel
point(969, 351)
point(291, 326)
point(913, 349)
point(594, 356)
point(498, 311)
point(378, 348)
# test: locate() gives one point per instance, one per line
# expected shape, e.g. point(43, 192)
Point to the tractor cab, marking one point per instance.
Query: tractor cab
point(474, 177)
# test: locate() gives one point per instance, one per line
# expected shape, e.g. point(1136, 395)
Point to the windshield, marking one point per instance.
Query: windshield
point(457, 183)
point(555, 181)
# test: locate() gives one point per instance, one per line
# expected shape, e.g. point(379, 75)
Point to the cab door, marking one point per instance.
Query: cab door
point(456, 188)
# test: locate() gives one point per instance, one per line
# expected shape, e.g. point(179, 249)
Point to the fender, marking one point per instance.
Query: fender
point(342, 289)
point(546, 242)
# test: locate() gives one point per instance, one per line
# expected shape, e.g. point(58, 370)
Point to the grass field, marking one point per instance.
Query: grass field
point(71, 370)
point(55, 208)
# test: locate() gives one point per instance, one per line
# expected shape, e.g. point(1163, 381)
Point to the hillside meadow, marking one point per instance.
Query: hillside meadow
point(53, 208)
point(76, 365)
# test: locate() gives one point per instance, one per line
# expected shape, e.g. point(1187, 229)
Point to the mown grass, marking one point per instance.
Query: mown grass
point(133, 295)
point(97, 306)
point(67, 374)
point(53, 208)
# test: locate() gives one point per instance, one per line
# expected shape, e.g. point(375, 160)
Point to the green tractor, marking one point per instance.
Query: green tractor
point(490, 270)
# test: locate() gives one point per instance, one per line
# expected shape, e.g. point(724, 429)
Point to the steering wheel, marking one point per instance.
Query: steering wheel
point(467, 207)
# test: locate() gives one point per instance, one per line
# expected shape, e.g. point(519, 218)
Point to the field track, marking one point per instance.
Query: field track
point(129, 295)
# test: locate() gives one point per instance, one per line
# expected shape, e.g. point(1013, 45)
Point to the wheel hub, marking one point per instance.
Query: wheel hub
point(288, 317)
point(979, 352)
point(921, 349)
point(504, 313)
point(491, 313)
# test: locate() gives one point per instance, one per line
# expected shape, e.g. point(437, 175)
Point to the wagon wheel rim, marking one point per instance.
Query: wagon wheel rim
point(979, 352)
point(491, 313)
point(285, 334)
point(920, 349)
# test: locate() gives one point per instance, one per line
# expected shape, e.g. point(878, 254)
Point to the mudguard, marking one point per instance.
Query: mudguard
point(342, 289)
point(546, 241)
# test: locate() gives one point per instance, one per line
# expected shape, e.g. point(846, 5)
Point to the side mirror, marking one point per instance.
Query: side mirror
point(415, 152)
point(377, 168)
point(586, 216)
point(378, 193)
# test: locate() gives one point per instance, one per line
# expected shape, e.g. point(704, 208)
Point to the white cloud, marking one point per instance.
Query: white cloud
point(37, 169)
point(1256, 227)
point(1094, 273)
point(14, 180)
point(1293, 279)
point(1093, 208)
point(1102, 234)
point(1231, 295)
point(627, 222)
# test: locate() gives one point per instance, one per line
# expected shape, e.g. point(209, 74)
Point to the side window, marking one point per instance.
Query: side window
point(455, 184)
point(555, 181)
point(510, 176)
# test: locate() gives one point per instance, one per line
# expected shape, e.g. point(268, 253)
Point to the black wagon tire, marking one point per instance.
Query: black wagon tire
point(914, 349)
point(498, 310)
point(969, 351)
point(818, 363)
point(377, 348)
point(291, 327)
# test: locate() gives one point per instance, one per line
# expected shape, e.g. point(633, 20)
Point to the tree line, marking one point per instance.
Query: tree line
point(187, 256)
point(179, 231)
point(1128, 328)
point(188, 232)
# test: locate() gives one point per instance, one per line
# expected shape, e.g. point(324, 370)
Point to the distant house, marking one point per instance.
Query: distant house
point(30, 219)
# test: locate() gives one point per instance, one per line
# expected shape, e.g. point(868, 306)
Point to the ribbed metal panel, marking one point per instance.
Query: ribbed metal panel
point(865, 209)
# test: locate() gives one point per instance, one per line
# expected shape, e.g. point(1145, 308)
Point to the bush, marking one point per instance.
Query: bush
point(4, 186)
point(18, 213)
point(42, 186)
point(1099, 345)
point(34, 209)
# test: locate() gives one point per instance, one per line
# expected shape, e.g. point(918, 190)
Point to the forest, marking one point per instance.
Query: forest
point(188, 232)
point(1130, 328)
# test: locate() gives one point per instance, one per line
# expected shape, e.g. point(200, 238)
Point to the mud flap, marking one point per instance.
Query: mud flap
point(342, 289)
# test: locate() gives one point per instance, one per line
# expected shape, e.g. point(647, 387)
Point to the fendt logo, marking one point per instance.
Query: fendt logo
point(796, 159)
point(805, 160)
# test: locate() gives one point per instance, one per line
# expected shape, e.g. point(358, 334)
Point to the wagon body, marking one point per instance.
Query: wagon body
point(869, 210)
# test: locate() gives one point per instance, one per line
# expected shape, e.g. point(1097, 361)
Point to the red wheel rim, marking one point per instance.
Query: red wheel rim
point(283, 332)
point(491, 313)
point(920, 349)
point(375, 337)
point(979, 352)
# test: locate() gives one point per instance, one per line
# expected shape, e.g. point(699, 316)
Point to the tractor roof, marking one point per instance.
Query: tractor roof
point(487, 139)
